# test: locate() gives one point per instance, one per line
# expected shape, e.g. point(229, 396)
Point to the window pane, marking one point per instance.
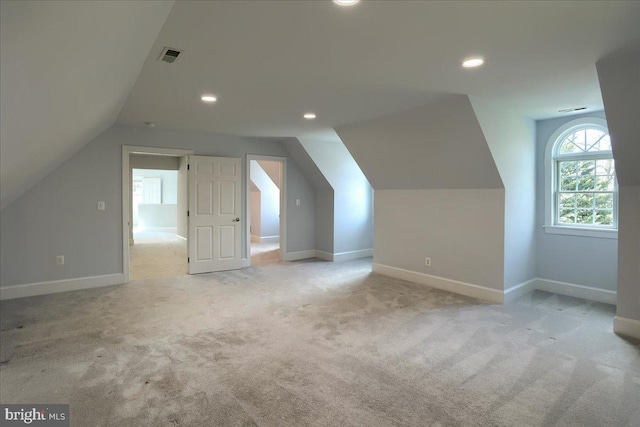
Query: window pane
point(568, 168)
point(604, 167)
point(584, 200)
point(584, 216)
point(604, 201)
point(567, 216)
point(604, 217)
point(567, 201)
point(569, 184)
point(593, 137)
point(586, 167)
point(604, 183)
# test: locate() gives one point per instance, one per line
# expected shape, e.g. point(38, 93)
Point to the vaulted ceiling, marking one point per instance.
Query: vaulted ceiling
point(70, 68)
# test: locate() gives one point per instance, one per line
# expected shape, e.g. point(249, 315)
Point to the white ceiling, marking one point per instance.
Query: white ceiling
point(66, 70)
point(270, 61)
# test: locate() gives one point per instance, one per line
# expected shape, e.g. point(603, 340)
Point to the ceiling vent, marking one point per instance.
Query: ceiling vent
point(169, 54)
point(571, 110)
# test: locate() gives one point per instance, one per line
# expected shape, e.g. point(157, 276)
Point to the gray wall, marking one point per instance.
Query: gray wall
point(147, 161)
point(324, 220)
point(511, 139)
point(586, 261)
point(619, 76)
point(353, 195)
point(59, 215)
point(460, 230)
point(158, 215)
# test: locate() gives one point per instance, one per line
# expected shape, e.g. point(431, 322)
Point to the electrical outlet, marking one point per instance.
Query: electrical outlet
point(60, 260)
point(427, 262)
point(101, 205)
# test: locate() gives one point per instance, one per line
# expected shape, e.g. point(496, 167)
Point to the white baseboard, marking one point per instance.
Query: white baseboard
point(455, 286)
point(346, 256)
point(578, 291)
point(327, 256)
point(294, 256)
point(181, 237)
point(43, 288)
point(270, 239)
point(245, 262)
point(627, 327)
point(515, 292)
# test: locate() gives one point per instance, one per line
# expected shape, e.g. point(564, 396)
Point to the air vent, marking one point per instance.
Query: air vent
point(169, 54)
point(571, 110)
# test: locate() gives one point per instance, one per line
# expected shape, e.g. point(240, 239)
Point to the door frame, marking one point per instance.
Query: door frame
point(126, 191)
point(283, 202)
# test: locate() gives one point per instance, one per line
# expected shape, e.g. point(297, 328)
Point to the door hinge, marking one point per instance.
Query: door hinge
point(188, 166)
point(188, 260)
point(187, 213)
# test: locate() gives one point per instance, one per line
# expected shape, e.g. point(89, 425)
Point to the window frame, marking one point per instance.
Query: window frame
point(551, 182)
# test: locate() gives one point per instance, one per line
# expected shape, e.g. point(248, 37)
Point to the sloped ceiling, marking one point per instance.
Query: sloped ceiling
point(66, 70)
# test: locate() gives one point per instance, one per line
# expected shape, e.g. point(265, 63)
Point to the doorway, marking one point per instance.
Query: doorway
point(154, 212)
point(265, 205)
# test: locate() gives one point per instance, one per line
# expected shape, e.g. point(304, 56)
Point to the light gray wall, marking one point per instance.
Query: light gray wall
point(324, 220)
point(254, 199)
point(158, 215)
point(460, 230)
point(586, 261)
point(619, 77)
point(147, 161)
point(183, 198)
point(269, 201)
point(59, 215)
point(440, 145)
point(272, 169)
point(353, 195)
point(511, 139)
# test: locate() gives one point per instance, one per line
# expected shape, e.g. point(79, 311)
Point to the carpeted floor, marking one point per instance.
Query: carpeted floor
point(157, 254)
point(264, 253)
point(316, 344)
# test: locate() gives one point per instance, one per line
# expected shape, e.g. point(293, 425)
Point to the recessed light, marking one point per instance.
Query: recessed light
point(346, 2)
point(472, 62)
point(309, 116)
point(150, 124)
point(209, 98)
point(570, 110)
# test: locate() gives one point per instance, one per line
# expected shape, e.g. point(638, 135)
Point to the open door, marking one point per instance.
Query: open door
point(214, 214)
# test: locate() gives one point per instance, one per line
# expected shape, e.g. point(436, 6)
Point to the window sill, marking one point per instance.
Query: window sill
point(583, 232)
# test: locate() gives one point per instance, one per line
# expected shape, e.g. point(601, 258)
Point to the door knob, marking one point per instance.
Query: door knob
point(236, 220)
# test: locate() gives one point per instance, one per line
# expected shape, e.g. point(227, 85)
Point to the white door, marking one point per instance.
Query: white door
point(214, 214)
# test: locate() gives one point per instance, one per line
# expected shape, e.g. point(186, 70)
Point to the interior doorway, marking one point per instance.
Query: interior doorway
point(265, 195)
point(155, 197)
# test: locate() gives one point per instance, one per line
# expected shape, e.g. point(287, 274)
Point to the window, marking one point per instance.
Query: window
point(582, 196)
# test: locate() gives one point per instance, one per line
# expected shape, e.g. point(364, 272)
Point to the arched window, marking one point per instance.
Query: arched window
point(581, 174)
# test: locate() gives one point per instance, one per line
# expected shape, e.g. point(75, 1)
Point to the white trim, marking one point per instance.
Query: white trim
point(245, 263)
point(126, 189)
point(295, 256)
point(455, 286)
point(515, 292)
point(55, 286)
point(269, 239)
point(608, 233)
point(627, 327)
point(578, 291)
point(181, 237)
point(283, 204)
point(346, 256)
point(327, 256)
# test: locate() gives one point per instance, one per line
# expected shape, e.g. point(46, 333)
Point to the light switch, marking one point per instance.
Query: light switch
point(101, 205)
point(297, 202)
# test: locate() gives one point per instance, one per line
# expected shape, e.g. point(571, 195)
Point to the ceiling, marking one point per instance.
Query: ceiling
point(269, 62)
point(70, 69)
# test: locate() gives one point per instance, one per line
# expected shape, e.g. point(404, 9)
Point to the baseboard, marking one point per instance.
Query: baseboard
point(578, 291)
point(270, 239)
point(245, 263)
point(455, 286)
point(327, 256)
point(346, 256)
point(294, 256)
point(255, 239)
point(130, 242)
point(627, 327)
point(515, 292)
point(55, 286)
point(181, 237)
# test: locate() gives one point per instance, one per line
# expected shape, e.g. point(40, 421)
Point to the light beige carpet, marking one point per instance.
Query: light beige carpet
point(264, 253)
point(157, 254)
point(316, 344)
